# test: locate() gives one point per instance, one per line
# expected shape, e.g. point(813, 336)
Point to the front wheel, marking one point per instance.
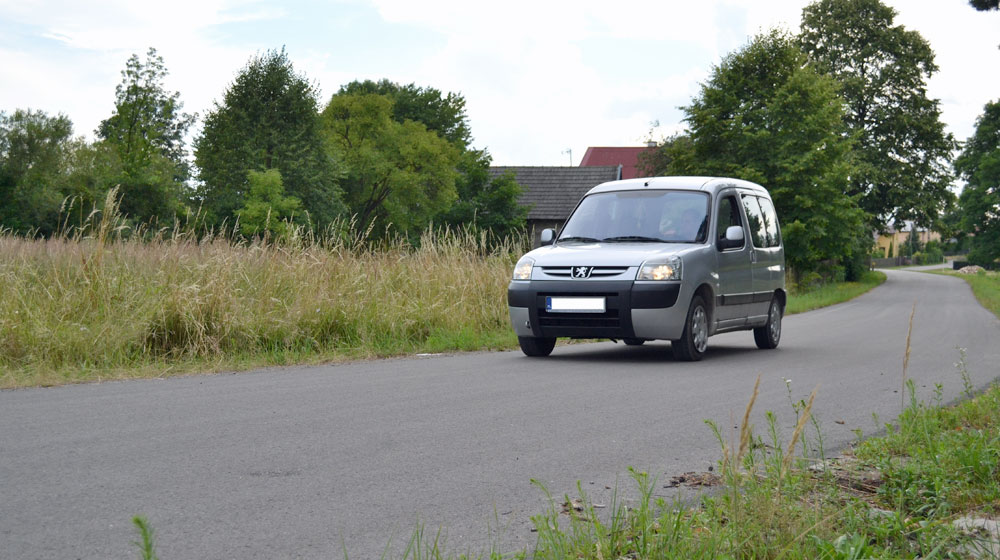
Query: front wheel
point(768, 336)
point(536, 347)
point(694, 340)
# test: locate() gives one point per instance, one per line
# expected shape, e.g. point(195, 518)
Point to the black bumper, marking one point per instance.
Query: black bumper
point(620, 297)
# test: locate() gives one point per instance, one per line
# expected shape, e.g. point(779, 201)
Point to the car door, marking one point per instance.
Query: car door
point(765, 254)
point(735, 267)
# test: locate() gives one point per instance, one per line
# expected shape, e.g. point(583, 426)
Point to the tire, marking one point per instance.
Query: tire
point(694, 340)
point(536, 347)
point(633, 341)
point(768, 336)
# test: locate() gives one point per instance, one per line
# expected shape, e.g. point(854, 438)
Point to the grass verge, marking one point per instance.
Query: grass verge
point(825, 295)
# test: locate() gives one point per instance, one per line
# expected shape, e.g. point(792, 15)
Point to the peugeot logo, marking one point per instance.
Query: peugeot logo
point(582, 271)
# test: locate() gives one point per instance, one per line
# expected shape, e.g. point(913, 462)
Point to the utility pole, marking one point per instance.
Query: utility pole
point(570, 152)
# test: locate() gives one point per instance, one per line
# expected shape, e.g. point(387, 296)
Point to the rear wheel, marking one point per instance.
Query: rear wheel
point(768, 336)
point(536, 347)
point(694, 340)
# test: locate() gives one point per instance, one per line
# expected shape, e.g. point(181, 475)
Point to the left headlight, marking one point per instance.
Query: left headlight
point(522, 271)
point(668, 268)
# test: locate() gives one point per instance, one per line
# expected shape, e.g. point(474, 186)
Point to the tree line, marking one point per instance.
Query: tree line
point(834, 120)
point(393, 158)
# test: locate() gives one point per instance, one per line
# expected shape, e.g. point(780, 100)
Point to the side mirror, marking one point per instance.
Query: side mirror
point(548, 235)
point(734, 238)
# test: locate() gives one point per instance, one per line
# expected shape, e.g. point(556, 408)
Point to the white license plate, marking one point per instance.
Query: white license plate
point(575, 304)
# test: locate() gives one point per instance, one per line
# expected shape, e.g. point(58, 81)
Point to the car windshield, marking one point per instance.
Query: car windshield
point(657, 216)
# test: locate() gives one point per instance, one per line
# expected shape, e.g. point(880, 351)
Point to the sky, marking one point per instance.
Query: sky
point(542, 80)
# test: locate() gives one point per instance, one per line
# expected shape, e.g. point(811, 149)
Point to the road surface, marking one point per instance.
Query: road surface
point(307, 462)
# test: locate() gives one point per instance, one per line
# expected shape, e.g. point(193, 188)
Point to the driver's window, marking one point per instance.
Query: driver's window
point(729, 215)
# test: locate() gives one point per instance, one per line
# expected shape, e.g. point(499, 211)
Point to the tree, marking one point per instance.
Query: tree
point(483, 203)
point(985, 5)
point(398, 174)
point(267, 209)
point(902, 149)
point(488, 204)
point(768, 116)
point(659, 161)
point(268, 119)
point(33, 151)
point(443, 114)
point(979, 165)
point(147, 131)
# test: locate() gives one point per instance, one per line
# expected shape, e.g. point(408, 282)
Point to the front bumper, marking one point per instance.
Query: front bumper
point(631, 308)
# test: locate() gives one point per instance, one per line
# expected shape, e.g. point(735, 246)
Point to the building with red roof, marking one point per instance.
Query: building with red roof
point(627, 157)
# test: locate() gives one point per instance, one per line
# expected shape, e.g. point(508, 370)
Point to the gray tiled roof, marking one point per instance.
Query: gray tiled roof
point(553, 192)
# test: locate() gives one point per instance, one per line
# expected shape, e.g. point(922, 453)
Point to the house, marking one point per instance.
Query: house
point(895, 238)
point(626, 157)
point(552, 193)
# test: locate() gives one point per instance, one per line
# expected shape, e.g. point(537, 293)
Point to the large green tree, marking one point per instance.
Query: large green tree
point(441, 113)
point(979, 165)
point(33, 153)
point(766, 115)
point(398, 175)
point(902, 150)
point(483, 203)
point(147, 131)
point(268, 119)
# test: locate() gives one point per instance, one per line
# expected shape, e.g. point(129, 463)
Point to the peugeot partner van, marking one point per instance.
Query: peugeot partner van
point(664, 258)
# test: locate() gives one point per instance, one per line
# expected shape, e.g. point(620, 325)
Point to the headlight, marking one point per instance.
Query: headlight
point(522, 271)
point(660, 269)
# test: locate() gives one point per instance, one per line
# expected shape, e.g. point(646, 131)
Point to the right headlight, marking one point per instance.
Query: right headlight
point(668, 268)
point(522, 270)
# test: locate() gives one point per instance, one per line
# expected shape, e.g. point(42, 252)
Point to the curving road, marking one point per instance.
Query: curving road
point(307, 462)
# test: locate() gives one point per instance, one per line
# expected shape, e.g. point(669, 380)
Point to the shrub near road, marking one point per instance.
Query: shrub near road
point(85, 309)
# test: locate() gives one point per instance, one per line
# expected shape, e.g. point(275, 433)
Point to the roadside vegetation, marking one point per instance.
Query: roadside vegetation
point(100, 304)
point(823, 295)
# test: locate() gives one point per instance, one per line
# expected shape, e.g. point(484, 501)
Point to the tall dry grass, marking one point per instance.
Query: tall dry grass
point(105, 301)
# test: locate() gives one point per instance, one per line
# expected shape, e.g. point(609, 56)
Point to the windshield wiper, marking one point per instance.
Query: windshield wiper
point(580, 239)
point(634, 238)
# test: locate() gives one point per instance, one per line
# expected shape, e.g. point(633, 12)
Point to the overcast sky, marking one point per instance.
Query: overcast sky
point(539, 77)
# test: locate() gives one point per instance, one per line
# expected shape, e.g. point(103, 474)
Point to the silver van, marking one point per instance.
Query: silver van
point(664, 258)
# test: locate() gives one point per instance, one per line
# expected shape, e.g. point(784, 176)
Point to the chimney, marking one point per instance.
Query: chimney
point(651, 143)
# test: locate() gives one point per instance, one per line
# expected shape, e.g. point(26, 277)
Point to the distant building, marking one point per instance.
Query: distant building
point(627, 157)
point(552, 193)
point(895, 238)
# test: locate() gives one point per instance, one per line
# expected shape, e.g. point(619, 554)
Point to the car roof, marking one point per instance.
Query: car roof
point(710, 185)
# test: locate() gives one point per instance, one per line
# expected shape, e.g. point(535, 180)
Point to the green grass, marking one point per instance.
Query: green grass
point(91, 308)
point(829, 294)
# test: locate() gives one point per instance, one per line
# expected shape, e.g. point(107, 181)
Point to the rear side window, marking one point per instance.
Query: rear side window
point(758, 231)
point(772, 234)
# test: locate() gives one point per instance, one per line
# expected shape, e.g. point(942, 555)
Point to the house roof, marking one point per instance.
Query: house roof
point(627, 157)
point(552, 192)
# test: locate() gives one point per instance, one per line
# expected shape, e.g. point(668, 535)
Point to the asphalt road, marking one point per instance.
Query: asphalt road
point(308, 462)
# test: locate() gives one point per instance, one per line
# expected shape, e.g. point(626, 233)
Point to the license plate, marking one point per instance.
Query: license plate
point(575, 304)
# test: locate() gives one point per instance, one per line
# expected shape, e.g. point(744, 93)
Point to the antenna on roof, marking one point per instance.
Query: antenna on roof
point(570, 152)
